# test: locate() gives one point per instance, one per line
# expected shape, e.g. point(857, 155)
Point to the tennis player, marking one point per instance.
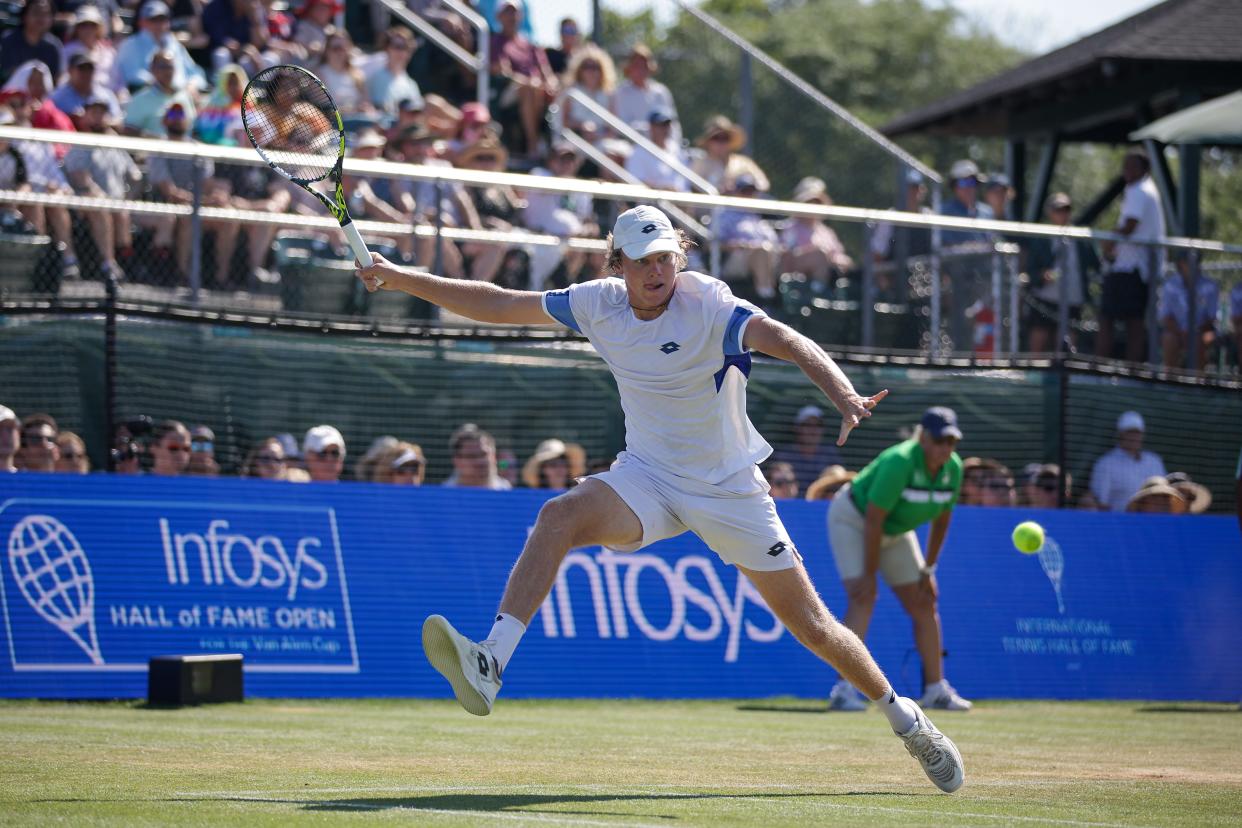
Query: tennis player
point(678, 344)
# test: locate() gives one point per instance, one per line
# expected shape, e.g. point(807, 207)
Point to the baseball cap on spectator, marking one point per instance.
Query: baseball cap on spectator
point(89, 101)
point(81, 58)
point(415, 132)
point(939, 421)
point(408, 456)
point(1131, 421)
point(914, 178)
point(808, 412)
point(7, 414)
point(561, 147)
point(641, 231)
point(88, 13)
point(660, 116)
point(152, 9)
point(322, 437)
point(370, 138)
point(616, 148)
point(811, 189)
point(964, 170)
point(998, 180)
point(174, 111)
point(1058, 201)
point(745, 181)
point(411, 105)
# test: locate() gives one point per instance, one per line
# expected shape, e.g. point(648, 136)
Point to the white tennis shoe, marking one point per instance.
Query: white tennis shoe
point(936, 753)
point(845, 696)
point(942, 696)
point(470, 668)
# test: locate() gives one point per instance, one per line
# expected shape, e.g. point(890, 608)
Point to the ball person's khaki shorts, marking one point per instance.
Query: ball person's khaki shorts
point(901, 558)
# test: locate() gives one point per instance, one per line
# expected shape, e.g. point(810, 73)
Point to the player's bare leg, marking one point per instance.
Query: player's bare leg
point(588, 515)
point(927, 637)
point(793, 599)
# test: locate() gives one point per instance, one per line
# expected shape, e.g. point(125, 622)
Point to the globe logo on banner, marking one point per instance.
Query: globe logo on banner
point(54, 576)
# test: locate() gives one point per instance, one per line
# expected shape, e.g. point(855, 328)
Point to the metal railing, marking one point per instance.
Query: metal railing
point(1004, 282)
point(479, 63)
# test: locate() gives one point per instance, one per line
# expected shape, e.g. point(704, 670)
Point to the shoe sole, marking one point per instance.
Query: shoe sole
point(959, 779)
point(442, 652)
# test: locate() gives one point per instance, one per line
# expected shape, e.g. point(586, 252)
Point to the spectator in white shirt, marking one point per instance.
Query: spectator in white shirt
point(1118, 475)
point(560, 214)
point(592, 73)
point(653, 171)
point(1126, 284)
point(640, 94)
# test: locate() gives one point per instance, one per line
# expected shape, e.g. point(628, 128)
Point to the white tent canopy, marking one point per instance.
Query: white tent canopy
point(1218, 121)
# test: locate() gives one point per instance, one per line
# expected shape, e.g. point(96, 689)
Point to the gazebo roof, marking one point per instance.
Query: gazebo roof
point(1101, 87)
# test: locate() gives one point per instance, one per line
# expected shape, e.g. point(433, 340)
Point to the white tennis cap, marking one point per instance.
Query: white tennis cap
point(321, 437)
point(808, 412)
point(6, 414)
point(644, 230)
point(1130, 421)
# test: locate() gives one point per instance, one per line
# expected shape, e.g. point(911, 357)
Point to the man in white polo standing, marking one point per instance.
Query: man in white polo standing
point(1120, 473)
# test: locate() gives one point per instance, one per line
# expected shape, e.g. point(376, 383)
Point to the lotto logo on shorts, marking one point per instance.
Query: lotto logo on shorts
point(776, 548)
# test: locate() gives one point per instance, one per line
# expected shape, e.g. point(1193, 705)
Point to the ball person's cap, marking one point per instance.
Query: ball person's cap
point(644, 230)
point(940, 421)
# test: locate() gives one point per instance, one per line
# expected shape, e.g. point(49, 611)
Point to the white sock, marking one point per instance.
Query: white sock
point(899, 711)
point(504, 638)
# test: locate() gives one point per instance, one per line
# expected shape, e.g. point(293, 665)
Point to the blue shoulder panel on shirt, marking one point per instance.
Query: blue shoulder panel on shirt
point(557, 303)
point(739, 361)
point(733, 332)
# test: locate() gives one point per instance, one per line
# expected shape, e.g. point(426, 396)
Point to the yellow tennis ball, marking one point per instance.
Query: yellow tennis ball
point(1028, 537)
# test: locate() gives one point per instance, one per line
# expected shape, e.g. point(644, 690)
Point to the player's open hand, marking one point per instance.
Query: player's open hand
point(378, 274)
point(854, 409)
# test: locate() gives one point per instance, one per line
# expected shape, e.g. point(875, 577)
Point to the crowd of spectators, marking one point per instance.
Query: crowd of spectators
point(1127, 478)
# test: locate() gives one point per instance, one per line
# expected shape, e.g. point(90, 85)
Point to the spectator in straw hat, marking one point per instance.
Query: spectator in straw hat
point(554, 465)
point(1197, 496)
point(811, 246)
point(722, 163)
point(1156, 496)
point(829, 483)
point(640, 93)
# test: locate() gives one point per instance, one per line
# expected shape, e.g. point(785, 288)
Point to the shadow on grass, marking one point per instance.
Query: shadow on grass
point(1201, 707)
point(781, 708)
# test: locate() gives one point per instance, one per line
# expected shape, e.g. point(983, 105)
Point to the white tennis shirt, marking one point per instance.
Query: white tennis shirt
point(681, 376)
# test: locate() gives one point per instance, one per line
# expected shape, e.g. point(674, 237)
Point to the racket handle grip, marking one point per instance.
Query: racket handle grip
point(358, 246)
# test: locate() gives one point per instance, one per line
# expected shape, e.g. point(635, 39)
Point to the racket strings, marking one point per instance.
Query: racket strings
point(291, 120)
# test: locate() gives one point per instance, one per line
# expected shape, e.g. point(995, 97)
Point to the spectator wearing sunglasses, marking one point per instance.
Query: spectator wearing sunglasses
point(781, 479)
point(39, 451)
point(324, 452)
point(203, 452)
point(1040, 488)
point(10, 439)
point(170, 448)
point(871, 525)
point(266, 461)
point(73, 459)
point(403, 464)
point(987, 482)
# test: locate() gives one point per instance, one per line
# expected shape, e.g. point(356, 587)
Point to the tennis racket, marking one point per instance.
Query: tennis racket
point(296, 128)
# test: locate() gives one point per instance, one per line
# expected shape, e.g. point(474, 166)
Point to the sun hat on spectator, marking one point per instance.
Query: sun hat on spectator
point(641, 231)
point(718, 124)
point(1158, 485)
point(811, 189)
point(1130, 421)
point(551, 450)
point(964, 169)
point(487, 145)
point(832, 479)
point(643, 51)
point(1197, 496)
point(322, 437)
point(152, 9)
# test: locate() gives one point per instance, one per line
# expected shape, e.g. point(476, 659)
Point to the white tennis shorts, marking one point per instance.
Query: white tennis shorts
point(901, 558)
point(736, 519)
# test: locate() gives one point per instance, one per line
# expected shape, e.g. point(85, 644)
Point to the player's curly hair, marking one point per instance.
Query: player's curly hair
point(612, 258)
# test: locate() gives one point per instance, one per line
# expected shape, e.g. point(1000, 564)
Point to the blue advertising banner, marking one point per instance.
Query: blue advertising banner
point(324, 588)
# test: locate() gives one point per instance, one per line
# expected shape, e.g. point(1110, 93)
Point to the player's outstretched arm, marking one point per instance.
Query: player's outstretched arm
point(775, 339)
point(481, 301)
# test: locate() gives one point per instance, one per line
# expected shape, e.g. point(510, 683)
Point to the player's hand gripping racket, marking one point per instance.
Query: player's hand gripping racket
point(296, 128)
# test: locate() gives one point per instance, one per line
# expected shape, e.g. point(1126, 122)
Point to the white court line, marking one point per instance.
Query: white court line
point(969, 815)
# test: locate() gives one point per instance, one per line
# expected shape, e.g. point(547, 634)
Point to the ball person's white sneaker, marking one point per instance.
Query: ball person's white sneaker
point(935, 752)
point(845, 696)
point(942, 696)
point(469, 667)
